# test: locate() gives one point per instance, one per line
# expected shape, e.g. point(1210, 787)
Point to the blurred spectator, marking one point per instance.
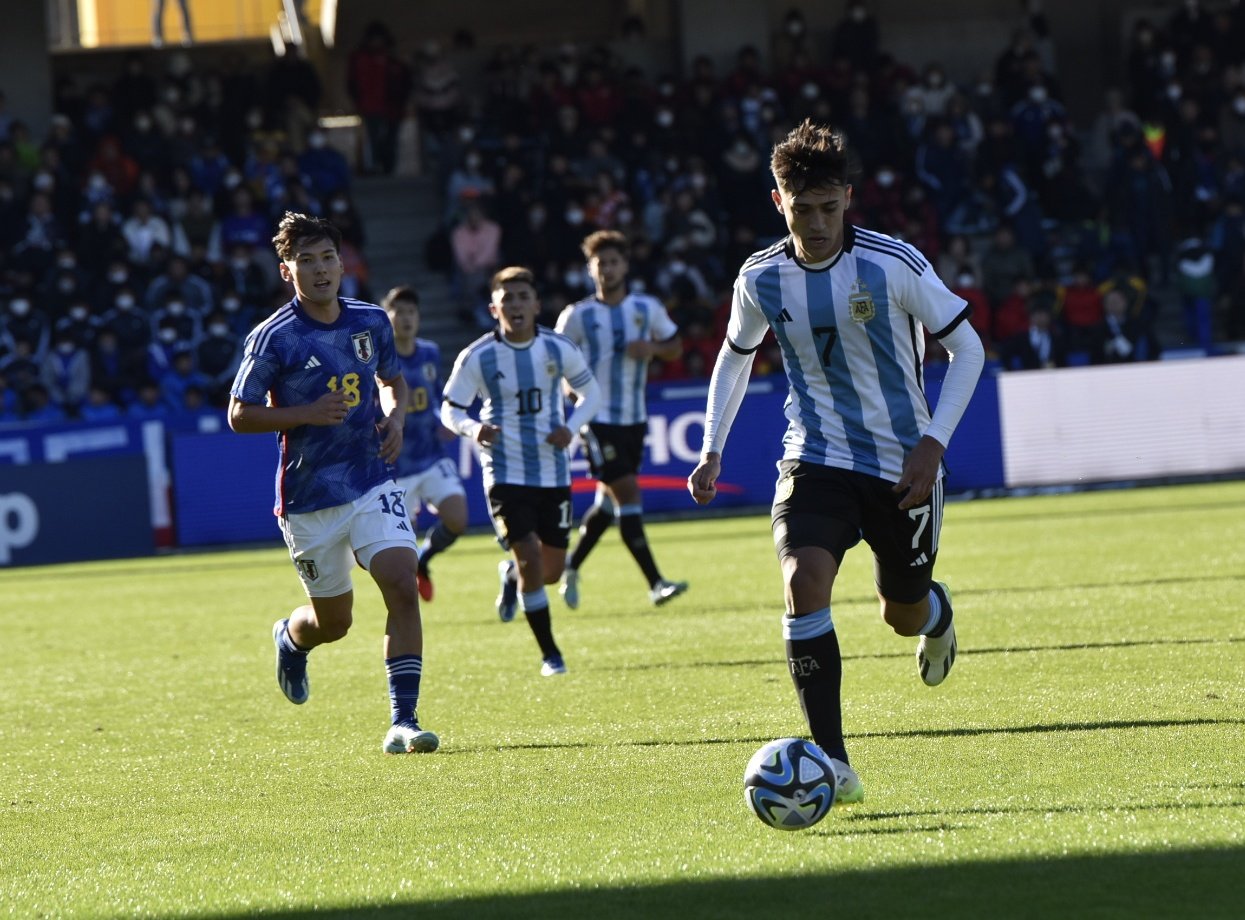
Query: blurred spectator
point(1080, 311)
point(143, 230)
point(100, 405)
point(1003, 262)
point(216, 357)
point(438, 96)
point(1040, 346)
point(66, 373)
point(476, 244)
point(1195, 278)
point(857, 37)
point(380, 84)
point(1117, 337)
point(37, 405)
point(325, 167)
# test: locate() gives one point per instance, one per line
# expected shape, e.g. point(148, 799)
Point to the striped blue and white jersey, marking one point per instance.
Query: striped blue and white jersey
point(421, 438)
point(291, 359)
point(604, 332)
point(520, 386)
point(852, 346)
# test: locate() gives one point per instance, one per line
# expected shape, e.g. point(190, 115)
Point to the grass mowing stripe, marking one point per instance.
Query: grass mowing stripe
point(1083, 759)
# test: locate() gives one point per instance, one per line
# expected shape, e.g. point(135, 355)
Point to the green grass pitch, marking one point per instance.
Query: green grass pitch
point(1085, 759)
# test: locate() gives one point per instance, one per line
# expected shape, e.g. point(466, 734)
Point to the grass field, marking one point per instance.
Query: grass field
point(1085, 759)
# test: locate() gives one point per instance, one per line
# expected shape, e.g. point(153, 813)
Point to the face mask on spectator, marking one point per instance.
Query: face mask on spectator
point(317, 139)
point(78, 313)
point(858, 13)
point(665, 118)
point(231, 304)
point(885, 178)
point(142, 123)
point(341, 206)
point(536, 217)
point(168, 336)
point(965, 281)
point(218, 329)
point(1238, 105)
point(118, 275)
point(1037, 94)
point(1174, 91)
point(574, 216)
point(124, 302)
point(176, 308)
point(810, 90)
point(699, 181)
point(65, 347)
point(795, 27)
point(65, 285)
point(233, 179)
point(574, 279)
point(44, 182)
point(19, 307)
point(66, 262)
point(96, 183)
point(473, 162)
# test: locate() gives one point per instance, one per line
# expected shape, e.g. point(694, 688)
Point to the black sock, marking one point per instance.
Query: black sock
point(631, 526)
point(438, 538)
point(542, 629)
point(597, 520)
point(817, 672)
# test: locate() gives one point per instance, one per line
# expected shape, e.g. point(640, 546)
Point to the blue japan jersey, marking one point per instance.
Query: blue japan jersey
point(291, 359)
point(421, 439)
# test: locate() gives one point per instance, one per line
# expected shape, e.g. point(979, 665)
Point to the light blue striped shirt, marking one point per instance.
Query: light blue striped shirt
point(852, 341)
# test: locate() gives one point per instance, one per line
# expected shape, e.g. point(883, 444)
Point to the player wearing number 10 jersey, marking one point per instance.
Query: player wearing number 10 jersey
point(322, 373)
point(523, 436)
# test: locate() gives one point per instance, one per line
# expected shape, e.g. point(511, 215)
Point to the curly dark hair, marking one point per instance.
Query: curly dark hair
point(811, 156)
point(605, 239)
point(296, 228)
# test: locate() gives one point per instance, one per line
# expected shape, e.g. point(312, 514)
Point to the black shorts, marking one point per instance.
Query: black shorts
point(835, 509)
point(520, 510)
point(614, 451)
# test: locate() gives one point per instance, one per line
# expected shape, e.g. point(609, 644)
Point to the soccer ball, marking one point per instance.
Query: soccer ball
point(790, 784)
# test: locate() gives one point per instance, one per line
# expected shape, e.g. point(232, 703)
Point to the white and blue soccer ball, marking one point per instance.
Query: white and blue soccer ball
point(790, 784)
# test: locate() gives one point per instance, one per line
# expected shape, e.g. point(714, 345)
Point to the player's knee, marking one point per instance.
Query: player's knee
point(806, 585)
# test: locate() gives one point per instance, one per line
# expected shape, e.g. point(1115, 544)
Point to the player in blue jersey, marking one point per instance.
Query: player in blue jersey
point(425, 473)
point(862, 455)
point(322, 374)
point(620, 333)
point(523, 435)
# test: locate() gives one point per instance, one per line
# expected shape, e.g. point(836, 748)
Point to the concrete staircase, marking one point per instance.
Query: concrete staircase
point(399, 214)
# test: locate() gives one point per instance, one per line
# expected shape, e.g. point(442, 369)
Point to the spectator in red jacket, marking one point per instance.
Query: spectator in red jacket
point(379, 83)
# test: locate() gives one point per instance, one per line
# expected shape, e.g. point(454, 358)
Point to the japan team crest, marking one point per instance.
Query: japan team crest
point(363, 348)
point(860, 303)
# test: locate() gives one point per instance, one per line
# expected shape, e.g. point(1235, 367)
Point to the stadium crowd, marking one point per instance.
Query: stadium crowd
point(129, 234)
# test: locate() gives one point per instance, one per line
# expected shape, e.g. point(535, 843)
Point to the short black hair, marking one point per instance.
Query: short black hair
point(401, 292)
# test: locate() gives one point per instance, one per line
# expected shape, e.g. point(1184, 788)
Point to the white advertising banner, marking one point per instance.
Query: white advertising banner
point(1122, 422)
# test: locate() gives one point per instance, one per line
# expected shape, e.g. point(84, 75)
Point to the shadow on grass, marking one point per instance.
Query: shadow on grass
point(1173, 884)
point(961, 732)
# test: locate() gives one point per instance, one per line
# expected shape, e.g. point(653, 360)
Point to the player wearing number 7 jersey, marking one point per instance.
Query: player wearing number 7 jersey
point(523, 436)
point(862, 456)
point(322, 373)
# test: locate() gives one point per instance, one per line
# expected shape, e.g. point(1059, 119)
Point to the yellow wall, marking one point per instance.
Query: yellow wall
point(105, 23)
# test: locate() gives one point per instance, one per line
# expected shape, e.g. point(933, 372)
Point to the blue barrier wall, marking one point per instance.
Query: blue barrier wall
point(93, 508)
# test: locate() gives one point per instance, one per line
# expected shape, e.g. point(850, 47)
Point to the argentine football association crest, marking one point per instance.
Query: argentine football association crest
point(363, 349)
point(860, 303)
point(551, 368)
point(784, 489)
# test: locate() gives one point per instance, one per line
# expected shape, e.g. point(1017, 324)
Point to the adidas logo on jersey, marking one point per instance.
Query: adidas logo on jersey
point(783, 316)
point(312, 362)
point(499, 376)
point(919, 560)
